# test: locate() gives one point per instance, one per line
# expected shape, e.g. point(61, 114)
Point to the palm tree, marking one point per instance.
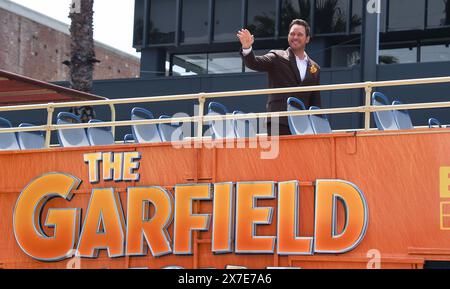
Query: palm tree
point(388, 59)
point(82, 58)
point(289, 13)
point(329, 17)
point(263, 25)
point(157, 37)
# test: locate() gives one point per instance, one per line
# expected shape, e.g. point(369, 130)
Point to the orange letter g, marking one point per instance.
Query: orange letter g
point(28, 229)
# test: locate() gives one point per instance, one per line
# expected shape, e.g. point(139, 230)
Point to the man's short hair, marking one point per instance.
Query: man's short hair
point(302, 23)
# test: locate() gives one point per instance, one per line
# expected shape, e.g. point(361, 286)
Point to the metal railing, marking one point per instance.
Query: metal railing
point(201, 118)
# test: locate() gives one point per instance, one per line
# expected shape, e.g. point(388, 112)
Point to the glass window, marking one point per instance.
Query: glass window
point(181, 71)
point(432, 53)
point(195, 21)
point(161, 27)
point(293, 9)
point(357, 16)
point(138, 32)
point(211, 63)
point(398, 55)
point(406, 14)
point(229, 62)
point(348, 55)
point(227, 19)
point(383, 17)
point(438, 13)
point(356, 10)
point(330, 16)
point(190, 63)
point(261, 18)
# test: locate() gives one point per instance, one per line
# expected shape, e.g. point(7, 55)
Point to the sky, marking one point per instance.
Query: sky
point(113, 20)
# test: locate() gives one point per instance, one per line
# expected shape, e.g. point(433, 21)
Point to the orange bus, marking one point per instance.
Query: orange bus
point(346, 199)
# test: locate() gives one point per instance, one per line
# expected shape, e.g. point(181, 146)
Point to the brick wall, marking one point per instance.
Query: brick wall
point(35, 50)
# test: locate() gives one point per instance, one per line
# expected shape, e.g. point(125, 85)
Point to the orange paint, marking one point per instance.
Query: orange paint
point(328, 192)
point(129, 166)
point(93, 160)
point(140, 226)
point(104, 224)
point(104, 210)
point(415, 235)
point(185, 219)
point(27, 228)
point(112, 166)
point(248, 215)
point(444, 179)
point(289, 243)
point(222, 218)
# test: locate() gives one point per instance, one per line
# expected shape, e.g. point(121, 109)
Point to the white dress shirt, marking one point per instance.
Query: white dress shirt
point(302, 64)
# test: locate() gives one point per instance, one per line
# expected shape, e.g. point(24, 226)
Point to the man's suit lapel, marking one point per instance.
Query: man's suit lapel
point(294, 67)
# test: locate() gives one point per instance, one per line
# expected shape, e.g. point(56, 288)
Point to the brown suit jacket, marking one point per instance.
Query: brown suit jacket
point(283, 72)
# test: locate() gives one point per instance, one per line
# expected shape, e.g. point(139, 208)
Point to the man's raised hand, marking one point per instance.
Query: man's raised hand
point(246, 38)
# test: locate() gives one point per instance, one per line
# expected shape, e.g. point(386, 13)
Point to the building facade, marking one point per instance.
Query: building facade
point(190, 46)
point(199, 36)
point(35, 45)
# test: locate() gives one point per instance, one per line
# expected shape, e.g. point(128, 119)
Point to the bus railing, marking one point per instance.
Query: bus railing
point(201, 118)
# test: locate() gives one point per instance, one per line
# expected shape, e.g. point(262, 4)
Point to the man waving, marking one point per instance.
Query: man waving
point(285, 68)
